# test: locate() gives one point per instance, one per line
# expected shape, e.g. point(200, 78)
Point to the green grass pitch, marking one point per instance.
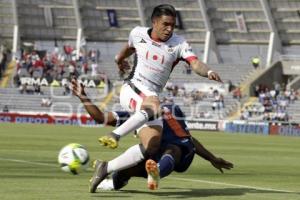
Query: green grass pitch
point(266, 167)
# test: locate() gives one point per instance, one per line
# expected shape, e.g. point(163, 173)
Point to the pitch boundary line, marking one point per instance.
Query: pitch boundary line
point(229, 184)
point(29, 162)
point(174, 178)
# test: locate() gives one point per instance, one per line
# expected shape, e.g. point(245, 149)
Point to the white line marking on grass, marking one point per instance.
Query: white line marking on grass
point(174, 178)
point(30, 162)
point(35, 163)
point(229, 184)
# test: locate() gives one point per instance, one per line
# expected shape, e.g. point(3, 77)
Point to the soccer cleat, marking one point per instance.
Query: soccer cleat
point(110, 140)
point(99, 175)
point(153, 174)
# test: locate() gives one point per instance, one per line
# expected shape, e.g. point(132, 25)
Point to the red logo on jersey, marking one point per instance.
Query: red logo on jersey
point(155, 57)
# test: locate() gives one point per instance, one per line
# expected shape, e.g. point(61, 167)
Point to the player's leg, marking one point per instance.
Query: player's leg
point(146, 107)
point(129, 158)
point(120, 179)
point(186, 158)
point(150, 142)
point(163, 167)
point(169, 160)
point(150, 136)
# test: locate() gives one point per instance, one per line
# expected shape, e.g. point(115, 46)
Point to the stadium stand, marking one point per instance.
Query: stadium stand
point(32, 102)
point(47, 19)
point(241, 29)
point(6, 19)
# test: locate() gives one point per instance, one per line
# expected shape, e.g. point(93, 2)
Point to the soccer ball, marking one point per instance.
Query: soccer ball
point(73, 158)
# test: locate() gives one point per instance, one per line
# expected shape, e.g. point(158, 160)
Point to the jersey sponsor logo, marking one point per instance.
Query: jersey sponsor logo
point(155, 69)
point(155, 57)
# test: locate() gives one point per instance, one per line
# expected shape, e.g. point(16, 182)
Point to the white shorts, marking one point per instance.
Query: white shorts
point(132, 102)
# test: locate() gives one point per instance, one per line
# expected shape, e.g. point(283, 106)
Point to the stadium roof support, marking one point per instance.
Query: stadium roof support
point(141, 12)
point(16, 29)
point(210, 41)
point(275, 43)
point(79, 27)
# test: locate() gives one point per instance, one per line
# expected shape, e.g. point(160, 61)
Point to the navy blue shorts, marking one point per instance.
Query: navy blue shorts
point(187, 156)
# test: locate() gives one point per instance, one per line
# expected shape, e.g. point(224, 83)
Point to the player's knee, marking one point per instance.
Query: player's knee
point(151, 107)
point(153, 149)
point(174, 151)
point(150, 150)
point(152, 114)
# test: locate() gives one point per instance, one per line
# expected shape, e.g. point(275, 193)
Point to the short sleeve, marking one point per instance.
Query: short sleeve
point(131, 38)
point(186, 52)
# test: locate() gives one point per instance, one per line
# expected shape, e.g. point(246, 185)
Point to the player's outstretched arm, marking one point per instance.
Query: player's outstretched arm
point(218, 163)
point(203, 70)
point(100, 117)
point(122, 55)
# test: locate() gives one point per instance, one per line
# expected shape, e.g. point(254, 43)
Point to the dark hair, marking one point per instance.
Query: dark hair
point(163, 9)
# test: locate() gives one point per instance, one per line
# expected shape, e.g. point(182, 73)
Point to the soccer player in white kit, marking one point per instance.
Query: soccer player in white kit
point(158, 50)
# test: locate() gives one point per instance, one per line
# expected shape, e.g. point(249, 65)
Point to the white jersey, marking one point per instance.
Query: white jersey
point(156, 60)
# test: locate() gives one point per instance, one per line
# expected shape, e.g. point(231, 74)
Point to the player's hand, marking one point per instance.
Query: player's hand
point(214, 76)
point(78, 89)
point(220, 164)
point(123, 65)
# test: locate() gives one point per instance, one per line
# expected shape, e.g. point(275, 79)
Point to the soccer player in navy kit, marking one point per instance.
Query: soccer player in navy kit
point(176, 153)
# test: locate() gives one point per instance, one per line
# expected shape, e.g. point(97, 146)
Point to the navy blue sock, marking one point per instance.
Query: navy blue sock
point(166, 165)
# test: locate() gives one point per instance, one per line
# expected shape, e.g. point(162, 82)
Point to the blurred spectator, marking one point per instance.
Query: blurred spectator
point(293, 96)
point(56, 65)
point(218, 102)
point(231, 86)
point(23, 88)
point(277, 88)
point(3, 61)
point(167, 100)
point(94, 67)
point(188, 69)
point(273, 104)
point(187, 100)
point(67, 90)
point(46, 102)
point(245, 114)
point(256, 91)
point(5, 109)
point(37, 89)
point(205, 115)
point(175, 91)
point(237, 94)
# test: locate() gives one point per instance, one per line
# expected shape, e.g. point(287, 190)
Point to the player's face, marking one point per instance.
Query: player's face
point(163, 27)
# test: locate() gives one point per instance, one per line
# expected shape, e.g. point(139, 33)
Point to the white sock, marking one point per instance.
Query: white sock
point(106, 184)
point(134, 122)
point(129, 158)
